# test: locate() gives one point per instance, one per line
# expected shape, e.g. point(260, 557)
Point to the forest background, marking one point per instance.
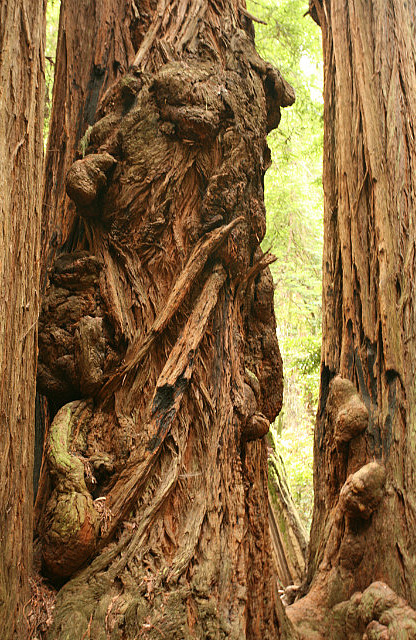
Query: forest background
point(291, 41)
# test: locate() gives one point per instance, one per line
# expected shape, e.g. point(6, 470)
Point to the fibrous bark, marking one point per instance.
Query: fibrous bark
point(96, 44)
point(157, 338)
point(289, 537)
point(364, 516)
point(22, 25)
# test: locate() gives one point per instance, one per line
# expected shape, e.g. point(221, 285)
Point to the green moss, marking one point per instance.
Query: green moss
point(85, 141)
point(69, 515)
point(68, 469)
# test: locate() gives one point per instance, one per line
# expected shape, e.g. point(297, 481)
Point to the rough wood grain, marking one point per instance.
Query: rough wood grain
point(169, 276)
point(22, 26)
point(368, 311)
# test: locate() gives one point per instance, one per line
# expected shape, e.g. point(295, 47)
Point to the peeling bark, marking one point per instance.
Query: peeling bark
point(96, 45)
point(22, 27)
point(157, 338)
point(368, 320)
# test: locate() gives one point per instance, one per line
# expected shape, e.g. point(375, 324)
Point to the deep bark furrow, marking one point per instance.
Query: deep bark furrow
point(172, 384)
point(22, 34)
point(140, 347)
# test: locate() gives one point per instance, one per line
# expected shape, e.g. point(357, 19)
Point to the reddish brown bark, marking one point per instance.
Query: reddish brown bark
point(364, 466)
point(21, 121)
point(158, 336)
point(96, 44)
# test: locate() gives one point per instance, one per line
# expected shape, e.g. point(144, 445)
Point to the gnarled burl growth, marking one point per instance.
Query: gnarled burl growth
point(376, 614)
point(162, 315)
point(313, 615)
point(331, 608)
point(70, 524)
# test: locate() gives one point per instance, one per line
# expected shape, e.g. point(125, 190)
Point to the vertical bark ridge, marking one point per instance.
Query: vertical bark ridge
point(22, 26)
point(369, 235)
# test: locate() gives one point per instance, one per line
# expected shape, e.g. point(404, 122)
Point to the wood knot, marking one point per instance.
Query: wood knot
point(87, 178)
point(348, 414)
point(363, 491)
point(255, 427)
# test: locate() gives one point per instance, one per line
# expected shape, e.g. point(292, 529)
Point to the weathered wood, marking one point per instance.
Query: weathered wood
point(96, 45)
point(158, 310)
point(368, 311)
point(22, 26)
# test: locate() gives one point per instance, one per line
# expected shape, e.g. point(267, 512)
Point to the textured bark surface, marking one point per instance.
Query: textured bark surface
point(96, 44)
point(157, 340)
point(367, 401)
point(289, 537)
point(21, 121)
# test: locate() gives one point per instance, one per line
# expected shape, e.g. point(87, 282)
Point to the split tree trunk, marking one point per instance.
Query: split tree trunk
point(158, 341)
point(22, 25)
point(363, 525)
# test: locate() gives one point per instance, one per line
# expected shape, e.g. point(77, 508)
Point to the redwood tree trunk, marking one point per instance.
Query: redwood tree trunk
point(97, 41)
point(96, 44)
point(158, 342)
point(21, 122)
point(363, 525)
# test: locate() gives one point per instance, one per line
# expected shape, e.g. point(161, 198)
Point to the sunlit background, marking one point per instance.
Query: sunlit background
point(294, 204)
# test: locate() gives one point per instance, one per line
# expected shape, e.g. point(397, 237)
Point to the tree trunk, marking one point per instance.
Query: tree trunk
point(96, 44)
point(289, 537)
point(158, 342)
point(364, 514)
point(22, 25)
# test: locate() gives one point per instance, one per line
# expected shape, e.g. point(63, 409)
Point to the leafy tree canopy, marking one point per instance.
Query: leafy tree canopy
point(294, 203)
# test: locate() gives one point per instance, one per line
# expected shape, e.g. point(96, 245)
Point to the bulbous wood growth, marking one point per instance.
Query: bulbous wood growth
point(157, 340)
point(362, 536)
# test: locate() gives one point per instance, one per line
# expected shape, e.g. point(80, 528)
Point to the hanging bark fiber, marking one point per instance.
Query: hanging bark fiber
point(158, 340)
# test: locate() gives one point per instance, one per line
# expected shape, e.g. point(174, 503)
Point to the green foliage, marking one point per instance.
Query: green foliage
point(294, 203)
point(52, 24)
